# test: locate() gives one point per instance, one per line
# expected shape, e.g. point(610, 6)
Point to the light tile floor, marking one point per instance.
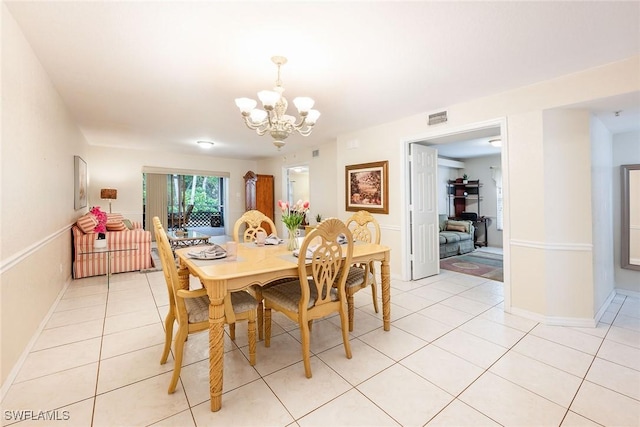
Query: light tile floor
point(452, 357)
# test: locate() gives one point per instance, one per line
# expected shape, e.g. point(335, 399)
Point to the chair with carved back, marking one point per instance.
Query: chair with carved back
point(364, 228)
point(320, 294)
point(190, 308)
point(254, 220)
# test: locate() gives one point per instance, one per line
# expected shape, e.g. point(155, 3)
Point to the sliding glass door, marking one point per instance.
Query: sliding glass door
point(184, 201)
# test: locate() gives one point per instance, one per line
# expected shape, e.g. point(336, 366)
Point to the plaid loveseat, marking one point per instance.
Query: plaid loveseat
point(94, 264)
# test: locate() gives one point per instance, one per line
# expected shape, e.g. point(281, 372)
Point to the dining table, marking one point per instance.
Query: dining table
point(259, 265)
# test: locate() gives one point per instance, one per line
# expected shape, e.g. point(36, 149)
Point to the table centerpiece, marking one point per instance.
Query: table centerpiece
point(100, 228)
point(292, 217)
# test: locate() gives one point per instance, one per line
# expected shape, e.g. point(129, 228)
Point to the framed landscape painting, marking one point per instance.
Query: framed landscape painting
point(367, 187)
point(79, 183)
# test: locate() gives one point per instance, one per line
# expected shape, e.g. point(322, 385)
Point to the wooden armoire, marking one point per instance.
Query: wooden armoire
point(259, 195)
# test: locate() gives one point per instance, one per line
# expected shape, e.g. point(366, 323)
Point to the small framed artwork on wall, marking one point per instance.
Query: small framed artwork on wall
point(367, 187)
point(79, 183)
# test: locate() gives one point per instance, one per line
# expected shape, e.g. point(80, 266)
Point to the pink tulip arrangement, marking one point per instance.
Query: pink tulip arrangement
point(293, 215)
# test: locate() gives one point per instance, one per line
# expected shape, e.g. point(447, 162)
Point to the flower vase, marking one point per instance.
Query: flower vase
point(292, 244)
point(100, 242)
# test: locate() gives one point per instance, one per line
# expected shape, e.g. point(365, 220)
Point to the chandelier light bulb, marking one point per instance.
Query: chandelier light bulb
point(268, 98)
point(246, 104)
point(258, 116)
point(312, 117)
point(303, 104)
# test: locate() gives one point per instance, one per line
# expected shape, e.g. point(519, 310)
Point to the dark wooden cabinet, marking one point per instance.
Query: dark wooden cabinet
point(259, 195)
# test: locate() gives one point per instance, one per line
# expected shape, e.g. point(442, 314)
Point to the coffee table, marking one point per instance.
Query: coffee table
point(108, 251)
point(179, 239)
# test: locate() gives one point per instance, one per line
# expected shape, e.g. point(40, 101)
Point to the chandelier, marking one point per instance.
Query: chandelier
point(273, 119)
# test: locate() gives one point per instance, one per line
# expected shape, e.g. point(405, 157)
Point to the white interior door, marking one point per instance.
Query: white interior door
point(424, 212)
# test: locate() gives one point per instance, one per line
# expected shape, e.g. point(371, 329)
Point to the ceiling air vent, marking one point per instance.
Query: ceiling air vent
point(315, 153)
point(436, 118)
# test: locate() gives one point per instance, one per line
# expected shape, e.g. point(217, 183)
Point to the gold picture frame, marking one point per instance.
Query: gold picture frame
point(367, 187)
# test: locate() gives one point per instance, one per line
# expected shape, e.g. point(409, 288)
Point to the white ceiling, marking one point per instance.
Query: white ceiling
point(163, 75)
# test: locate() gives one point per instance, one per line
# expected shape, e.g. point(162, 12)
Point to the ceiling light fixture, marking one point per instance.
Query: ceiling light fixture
point(496, 142)
point(205, 144)
point(273, 119)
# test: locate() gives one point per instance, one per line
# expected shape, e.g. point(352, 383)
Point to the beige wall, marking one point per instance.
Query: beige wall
point(39, 140)
point(531, 238)
point(322, 178)
point(122, 169)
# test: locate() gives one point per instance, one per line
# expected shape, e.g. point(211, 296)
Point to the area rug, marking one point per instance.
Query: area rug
point(476, 263)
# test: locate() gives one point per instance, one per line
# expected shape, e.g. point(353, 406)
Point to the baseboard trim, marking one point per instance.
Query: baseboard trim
point(628, 293)
point(605, 305)
point(582, 247)
point(23, 357)
point(555, 321)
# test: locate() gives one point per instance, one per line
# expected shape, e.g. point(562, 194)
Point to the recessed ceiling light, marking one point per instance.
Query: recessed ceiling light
point(496, 142)
point(205, 144)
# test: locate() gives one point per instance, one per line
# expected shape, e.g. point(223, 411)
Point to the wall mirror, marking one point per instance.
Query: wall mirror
point(630, 226)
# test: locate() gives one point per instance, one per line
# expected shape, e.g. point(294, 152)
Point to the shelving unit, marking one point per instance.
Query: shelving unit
point(461, 196)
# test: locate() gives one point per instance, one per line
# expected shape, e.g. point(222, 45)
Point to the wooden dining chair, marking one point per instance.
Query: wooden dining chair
point(190, 308)
point(320, 294)
point(364, 228)
point(254, 220)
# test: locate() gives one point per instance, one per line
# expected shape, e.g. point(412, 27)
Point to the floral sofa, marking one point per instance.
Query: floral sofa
point(456, 237)
point(120, 233)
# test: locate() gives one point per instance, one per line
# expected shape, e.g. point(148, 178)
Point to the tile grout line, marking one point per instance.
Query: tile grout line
point(95, 391)
point(583, 379)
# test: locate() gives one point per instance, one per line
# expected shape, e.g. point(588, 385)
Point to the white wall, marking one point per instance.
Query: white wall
point(445, 174)
point(39, 140)
point(602, 211)
point(480, 168)
point(626, 151)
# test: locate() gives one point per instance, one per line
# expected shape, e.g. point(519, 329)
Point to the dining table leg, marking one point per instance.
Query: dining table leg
point(386, 292)
point(216, 342)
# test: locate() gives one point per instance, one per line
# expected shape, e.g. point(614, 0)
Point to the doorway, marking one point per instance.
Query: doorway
point(441, 140)
point(297, 183)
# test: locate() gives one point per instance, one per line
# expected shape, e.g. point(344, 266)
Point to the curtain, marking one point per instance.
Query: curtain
point(156, 203)
point(496, 175)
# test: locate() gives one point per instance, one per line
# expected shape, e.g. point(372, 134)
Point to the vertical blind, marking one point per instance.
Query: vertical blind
point(156, 200)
